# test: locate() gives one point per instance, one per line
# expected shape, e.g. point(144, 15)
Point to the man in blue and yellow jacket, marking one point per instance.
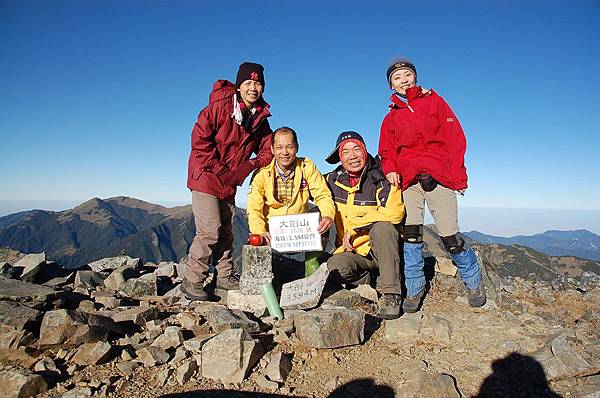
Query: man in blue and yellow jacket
point(286, 185)
point(368, 211)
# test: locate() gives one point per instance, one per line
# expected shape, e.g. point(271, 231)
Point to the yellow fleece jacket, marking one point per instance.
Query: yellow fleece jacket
point(309, 184)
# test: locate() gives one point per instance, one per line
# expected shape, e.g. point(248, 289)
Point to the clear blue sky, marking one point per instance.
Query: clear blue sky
point(98, 98)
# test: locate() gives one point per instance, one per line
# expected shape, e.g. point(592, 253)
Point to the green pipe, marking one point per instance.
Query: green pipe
point(268, 294)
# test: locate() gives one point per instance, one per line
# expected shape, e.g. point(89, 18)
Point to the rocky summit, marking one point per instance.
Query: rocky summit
point(119, 327)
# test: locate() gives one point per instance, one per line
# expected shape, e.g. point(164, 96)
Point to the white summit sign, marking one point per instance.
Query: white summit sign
point(295, 233)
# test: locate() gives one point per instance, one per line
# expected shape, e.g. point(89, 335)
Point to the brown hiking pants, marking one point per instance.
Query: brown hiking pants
point(441, 203)
point(214, 237)
point(384, 256)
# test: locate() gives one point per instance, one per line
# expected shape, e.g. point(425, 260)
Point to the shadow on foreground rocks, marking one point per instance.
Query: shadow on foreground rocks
point(356, 388)
point(516, 376)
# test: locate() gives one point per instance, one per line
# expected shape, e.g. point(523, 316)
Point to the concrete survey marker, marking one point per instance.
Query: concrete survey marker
point(304, 293)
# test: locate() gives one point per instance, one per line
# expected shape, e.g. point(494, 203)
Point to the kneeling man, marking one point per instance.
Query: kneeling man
point(368, 210)
point(286, 185)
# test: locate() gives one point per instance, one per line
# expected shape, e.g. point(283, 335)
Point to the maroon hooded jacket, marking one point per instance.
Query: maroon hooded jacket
point(423, 136)
point(221, 149)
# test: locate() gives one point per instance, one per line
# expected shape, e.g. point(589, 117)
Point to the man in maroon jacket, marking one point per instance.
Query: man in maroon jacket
point(228, 131)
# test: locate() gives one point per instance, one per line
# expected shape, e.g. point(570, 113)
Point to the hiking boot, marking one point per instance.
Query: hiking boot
point(230, 282)
point(477, 296)
point(413, 303)
point(194, 291)
point(388, 306)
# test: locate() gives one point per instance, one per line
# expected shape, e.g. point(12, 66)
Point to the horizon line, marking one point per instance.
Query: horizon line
point(179, 202)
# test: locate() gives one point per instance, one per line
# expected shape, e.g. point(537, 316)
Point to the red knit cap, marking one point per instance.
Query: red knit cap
point(361, 145)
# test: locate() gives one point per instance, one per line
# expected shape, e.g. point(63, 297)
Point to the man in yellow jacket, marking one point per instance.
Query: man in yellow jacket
point(286, 185)
point(368, 210)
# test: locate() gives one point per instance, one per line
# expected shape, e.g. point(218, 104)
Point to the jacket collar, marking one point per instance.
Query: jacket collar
point(371, 170)
point(411, 94)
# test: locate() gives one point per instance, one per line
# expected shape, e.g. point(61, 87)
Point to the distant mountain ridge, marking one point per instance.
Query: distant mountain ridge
point(100, 228)
point(103, 228)
point(580, 243)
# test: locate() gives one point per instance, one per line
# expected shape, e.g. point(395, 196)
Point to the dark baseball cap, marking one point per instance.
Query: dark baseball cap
point(334, 156)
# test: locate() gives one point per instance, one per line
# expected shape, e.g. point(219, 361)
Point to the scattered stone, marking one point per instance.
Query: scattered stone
point(187, 320)
point(17, 315)
point(429, 385)
point(137, 315)
point(8, 271)
point(171, 338)
point(127, 354)
point(236, 300)
point(15, 289)
point(46, 365)
point(21, 383)
point(367, 292)
point(163, 376)
point(229, 356)
point(72, 328)
point(195, 343)
point(445, 266)
point(31, 265)
point(320, 328)
point(404, 328)
point(138, 288)
point(89, 279)
point(152, 356)
point(112, 263)
point(166, 269)
point(279, 367)
point(93, 353)
point(180, 355)
point(185, 371)
point(257, 269)
point(78, 392)
point(109, 302)
point(262, 382)
point(220, 319)
point(343, 298)
point(127, 367)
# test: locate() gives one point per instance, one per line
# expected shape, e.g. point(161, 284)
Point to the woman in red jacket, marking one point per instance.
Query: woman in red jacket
point(422, 147)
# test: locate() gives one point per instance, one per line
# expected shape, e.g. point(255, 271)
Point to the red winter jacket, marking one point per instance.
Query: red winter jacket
point(221, 149)
point(423, 136)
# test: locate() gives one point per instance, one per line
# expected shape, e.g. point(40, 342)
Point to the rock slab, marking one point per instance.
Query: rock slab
point(320, 328)
point(21, 384)
point(229, 356)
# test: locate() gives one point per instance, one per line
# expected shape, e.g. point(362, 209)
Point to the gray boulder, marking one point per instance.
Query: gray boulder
point(15, 289)
point(30, 265)
point(140, 287)
point(320, 328)
point(72, 328)
point(89, 279)
point(92, 353)
point(152, 356)
point(137, 315)
point(17, 315)
point(220, 318)
point(21, 384)
point(229, 356)
point(279, 367)
point(112, 263)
